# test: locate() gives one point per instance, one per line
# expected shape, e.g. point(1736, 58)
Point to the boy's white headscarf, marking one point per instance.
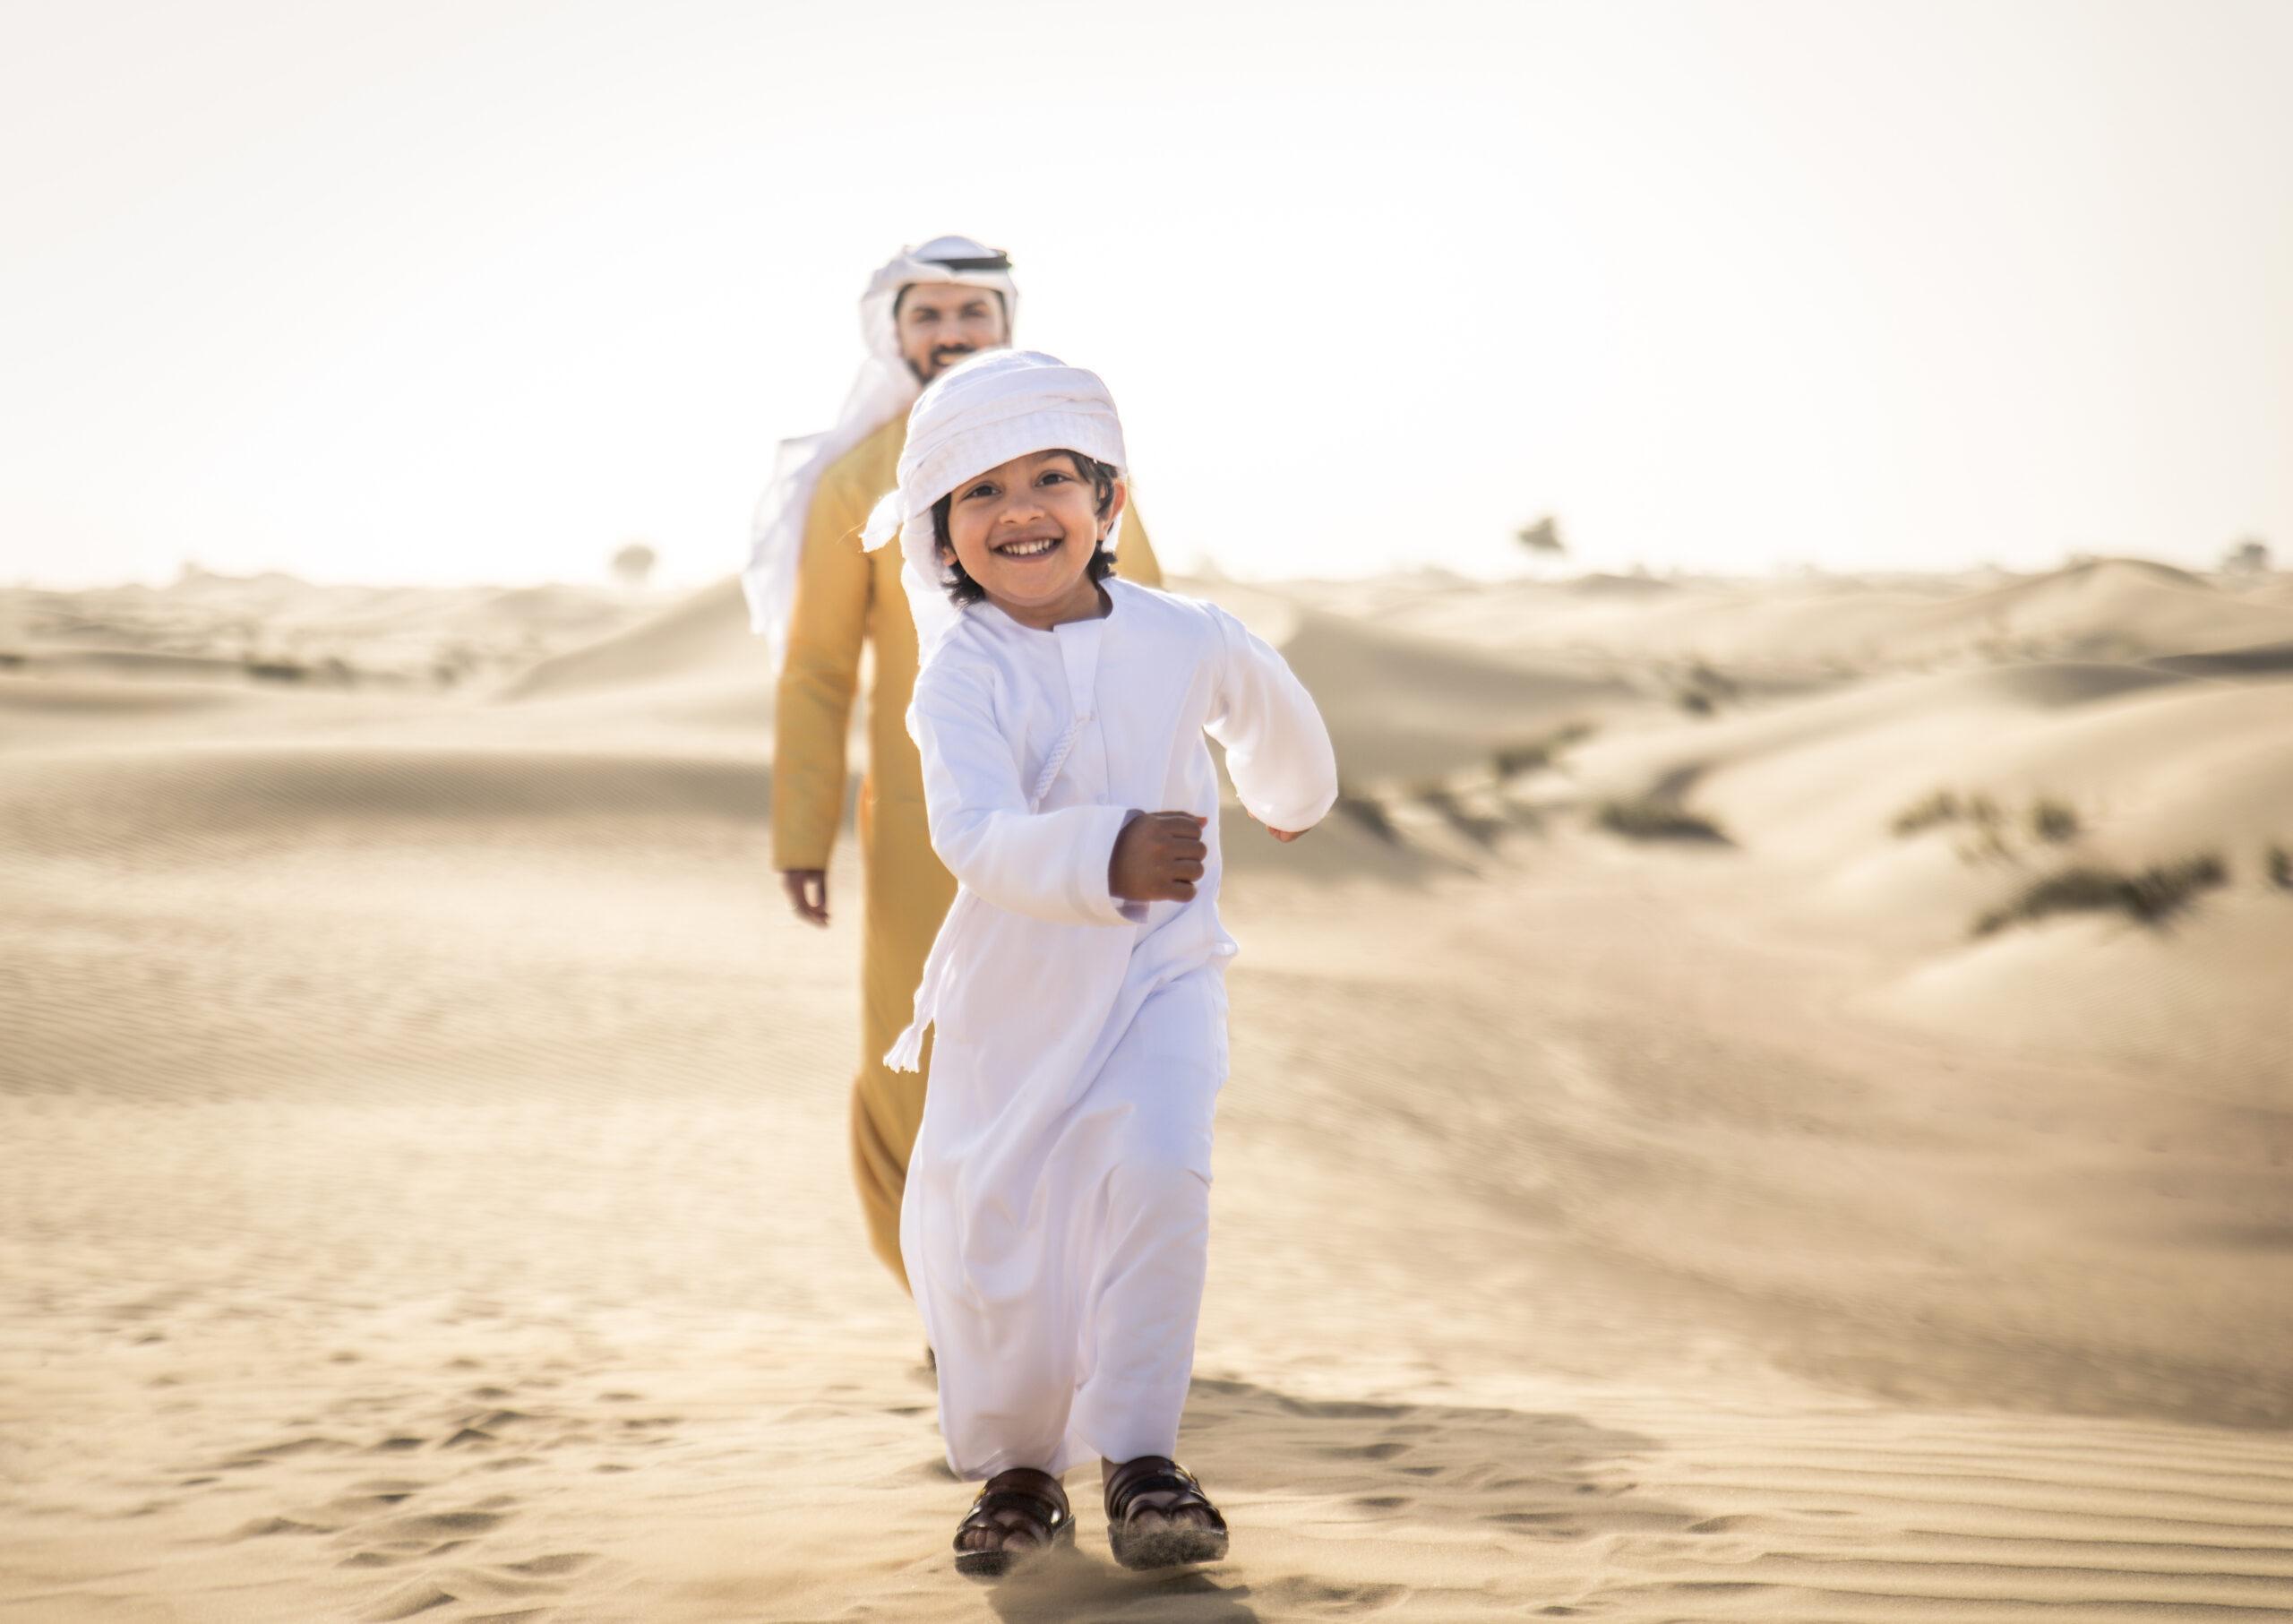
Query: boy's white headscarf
point(978, 415)
point(886, 386)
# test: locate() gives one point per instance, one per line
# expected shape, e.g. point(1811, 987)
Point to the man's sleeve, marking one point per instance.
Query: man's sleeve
point(1134, 554)
point(827, 622)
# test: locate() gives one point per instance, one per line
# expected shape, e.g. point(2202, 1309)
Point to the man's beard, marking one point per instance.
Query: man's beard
point(942, 357)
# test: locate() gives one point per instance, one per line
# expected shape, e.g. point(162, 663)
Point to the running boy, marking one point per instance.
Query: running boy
point(1057, 1214)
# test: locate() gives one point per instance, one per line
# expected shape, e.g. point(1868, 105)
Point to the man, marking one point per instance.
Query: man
point(821, 598)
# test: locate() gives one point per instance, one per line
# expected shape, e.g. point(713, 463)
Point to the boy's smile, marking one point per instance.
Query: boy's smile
point(1025, 531)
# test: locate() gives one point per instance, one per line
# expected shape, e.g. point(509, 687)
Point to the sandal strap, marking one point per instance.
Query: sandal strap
point(1156, 1474)
point(1036, 1495)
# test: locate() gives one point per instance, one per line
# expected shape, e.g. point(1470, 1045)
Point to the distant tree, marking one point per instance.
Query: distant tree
point(632, 564)
point(1542, 538)
point(2250, 556)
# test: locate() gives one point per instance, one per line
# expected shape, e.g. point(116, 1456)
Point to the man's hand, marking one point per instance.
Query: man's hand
point(807, 890)
point(1286, 834)
point(1157, 858)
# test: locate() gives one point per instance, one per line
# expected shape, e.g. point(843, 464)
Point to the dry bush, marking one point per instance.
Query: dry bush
point(2055, 821)
point(1474, 826)
point(1511, 760)
point(1988, 822)
point(2155, 894)
point(1370, 814)
point(1657, 818)
point(1941, 807)
point(2278, 864)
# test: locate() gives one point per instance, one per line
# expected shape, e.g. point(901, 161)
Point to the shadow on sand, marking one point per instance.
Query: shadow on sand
point(1360, 1468)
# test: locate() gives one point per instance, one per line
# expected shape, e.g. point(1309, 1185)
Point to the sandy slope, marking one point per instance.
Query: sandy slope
point(2114, 608)
point(422, 1185)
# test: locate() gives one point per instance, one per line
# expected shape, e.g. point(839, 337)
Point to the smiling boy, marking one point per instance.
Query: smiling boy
point(815, 593)
point(1056, 1221)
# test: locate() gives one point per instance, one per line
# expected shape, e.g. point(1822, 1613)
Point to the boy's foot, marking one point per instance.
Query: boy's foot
point(1158, 1517)
point(1017, 1513)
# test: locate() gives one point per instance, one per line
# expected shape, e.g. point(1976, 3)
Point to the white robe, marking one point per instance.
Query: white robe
point(1056, 1221)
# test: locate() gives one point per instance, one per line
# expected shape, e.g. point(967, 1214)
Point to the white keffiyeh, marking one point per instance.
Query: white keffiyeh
point(885, 388)
point(978, 415)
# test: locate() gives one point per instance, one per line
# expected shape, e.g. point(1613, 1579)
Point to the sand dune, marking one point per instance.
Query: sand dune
point(1399, 705)
point(2111, 608)
point(704, 634)
point(1396, 704)
point(421, 1167)
point(277, 629)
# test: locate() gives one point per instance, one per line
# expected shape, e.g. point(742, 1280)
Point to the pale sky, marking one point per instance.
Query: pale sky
point(453, 290)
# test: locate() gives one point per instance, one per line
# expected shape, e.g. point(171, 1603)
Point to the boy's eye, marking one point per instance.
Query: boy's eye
point(984, 489)
point(1050, 474)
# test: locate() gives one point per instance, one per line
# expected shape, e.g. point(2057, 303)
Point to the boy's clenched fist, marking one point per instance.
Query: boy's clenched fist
point(1158, 857)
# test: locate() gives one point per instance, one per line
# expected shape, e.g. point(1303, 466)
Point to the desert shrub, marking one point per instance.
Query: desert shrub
point(1367, 812)
point(1656, 818)
point(2054, 821)
point(2154, 894)
point(1941, 807)
point(1511, 760)
point(2279, 862)
point(1480, 830)
point(1988, 838)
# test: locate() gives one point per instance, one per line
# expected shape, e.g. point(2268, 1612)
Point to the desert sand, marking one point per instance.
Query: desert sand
point(422, 1152)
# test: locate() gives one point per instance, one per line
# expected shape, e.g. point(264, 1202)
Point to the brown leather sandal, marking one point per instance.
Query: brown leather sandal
point(1172, 1547)
point(1035, 1495)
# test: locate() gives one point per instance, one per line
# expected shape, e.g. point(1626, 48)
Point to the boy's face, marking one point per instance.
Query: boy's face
point(1025, 532)
point(941, 322)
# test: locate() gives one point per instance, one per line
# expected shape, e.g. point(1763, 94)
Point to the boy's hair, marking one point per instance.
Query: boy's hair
point(958, 582)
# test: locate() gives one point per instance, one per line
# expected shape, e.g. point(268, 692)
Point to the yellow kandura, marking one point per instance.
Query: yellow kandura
point(846, 598)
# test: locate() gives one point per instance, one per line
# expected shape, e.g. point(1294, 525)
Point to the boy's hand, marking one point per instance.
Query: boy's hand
point(1286, 834)
point(1157, 857)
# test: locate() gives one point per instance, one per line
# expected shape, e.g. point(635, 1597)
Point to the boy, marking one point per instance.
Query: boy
point(1056, 1217)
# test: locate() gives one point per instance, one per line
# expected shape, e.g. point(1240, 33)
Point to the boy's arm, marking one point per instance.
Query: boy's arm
point(1277, 751)
point(827, 622)
point(1050, 865)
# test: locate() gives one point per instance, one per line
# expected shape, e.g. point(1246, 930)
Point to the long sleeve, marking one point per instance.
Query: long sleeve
point(828, 624)
point(1277, 751)
point(1049, 865)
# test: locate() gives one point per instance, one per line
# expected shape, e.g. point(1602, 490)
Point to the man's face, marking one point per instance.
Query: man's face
point(941, 322)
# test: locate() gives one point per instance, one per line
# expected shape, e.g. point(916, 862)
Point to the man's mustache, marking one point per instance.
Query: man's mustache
point(942, 354)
